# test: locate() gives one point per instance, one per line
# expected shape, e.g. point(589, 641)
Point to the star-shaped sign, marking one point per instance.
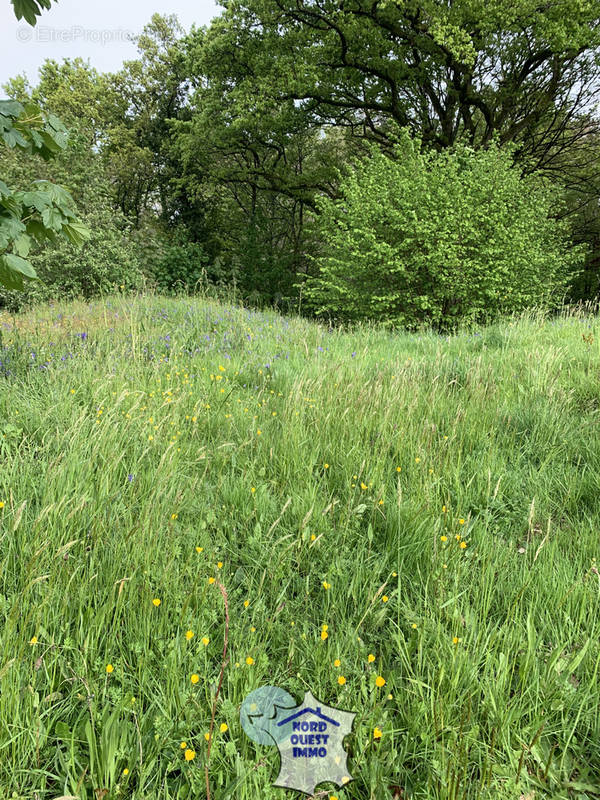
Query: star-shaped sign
point(310, 741)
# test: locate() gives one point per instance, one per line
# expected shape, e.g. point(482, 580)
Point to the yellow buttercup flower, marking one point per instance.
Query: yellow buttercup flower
point(337, 663)
point(33, 640)
point(370, 658)
point(223, 727)
point(211, 580)
point(341, 680)
point(463, 545)
point(189, 635)
point(377, 733)
point(385, 598)
point(443, 538)
point(109, 668)
point(326, 585)
point(379, 681)
point(324, 635)
point(205, 640)
point(156, 602)
point(249, 661)
point(190, 755)
point(195, 678)
point(246, 603)
point(183, 745)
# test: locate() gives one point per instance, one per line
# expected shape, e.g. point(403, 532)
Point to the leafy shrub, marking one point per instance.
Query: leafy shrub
point(437, 238)
point(106, 261)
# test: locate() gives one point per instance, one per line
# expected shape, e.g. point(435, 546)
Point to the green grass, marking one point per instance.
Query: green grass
point(121, 460)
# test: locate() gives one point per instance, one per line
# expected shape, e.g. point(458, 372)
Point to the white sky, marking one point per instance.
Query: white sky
point(96, 31)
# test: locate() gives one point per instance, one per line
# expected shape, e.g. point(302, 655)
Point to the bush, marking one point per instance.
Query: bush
point(437, 239)
point(105, 262)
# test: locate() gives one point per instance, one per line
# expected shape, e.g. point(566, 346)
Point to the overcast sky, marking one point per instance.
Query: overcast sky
point(96, 31)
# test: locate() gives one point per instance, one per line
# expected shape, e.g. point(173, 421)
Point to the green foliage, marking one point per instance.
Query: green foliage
point(178, 265)
point(438, 238)
point(107, 260)
point(30, 10)
point(45, 210)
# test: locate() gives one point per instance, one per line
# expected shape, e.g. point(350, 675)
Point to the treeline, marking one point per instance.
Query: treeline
point(414, 163)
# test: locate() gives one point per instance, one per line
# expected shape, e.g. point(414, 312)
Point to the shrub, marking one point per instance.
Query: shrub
point(105, 262)
point(436, 238)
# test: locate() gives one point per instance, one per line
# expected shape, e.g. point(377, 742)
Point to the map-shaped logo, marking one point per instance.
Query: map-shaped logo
point(309, 737)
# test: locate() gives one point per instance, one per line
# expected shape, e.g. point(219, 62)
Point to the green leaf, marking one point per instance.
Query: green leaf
point(13, 269)
point(76, 232)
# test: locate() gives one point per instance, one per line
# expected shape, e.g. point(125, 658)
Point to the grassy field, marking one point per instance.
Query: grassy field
point(415, 508)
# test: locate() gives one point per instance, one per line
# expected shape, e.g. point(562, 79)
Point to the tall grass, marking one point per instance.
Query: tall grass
point(444, 490)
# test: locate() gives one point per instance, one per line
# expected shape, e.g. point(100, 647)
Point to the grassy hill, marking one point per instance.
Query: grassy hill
point(416, 508)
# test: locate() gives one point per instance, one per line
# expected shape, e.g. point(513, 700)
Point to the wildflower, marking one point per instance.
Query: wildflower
point(221, 368)
point(341, 680)
point(199, 549)
point(376, 733)
point(324, 635)
point(253, 490)
point(174, 516)
point(33, 640)
point(195, 678)
point(337, 663)
point(253, 630)
point(417, 460)
point(370, 658)
point(125, 771)
point(390, 697)
point(379, 681)
point(381, 502)
point(385, 598)
point(463, 545)
point(183, 745)
point(398, 469)
point(205, 640)
point(456, 640)
point(219, 564)
point(444, 509)
point(189, 635)
point(363, 486)
point(223, 727)
point(156, 602)
point(246, 603)
point(312, 537)
point(461, 522)
point(249, 661)
point(109, 668)
point(190, 755)
point(443, 538)
point(414, 626)
point(324, 627)
point(258, 432)
point(326, 585)
point(444, 566)
point(325, 466)
point(211, 580)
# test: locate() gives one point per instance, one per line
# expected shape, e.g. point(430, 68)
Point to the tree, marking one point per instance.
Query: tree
point(465, 69)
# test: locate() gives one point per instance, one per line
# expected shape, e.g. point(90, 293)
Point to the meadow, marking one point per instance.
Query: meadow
point(406, 525)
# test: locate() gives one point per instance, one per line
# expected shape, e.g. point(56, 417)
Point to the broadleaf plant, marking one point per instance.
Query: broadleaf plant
point(46, 209)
